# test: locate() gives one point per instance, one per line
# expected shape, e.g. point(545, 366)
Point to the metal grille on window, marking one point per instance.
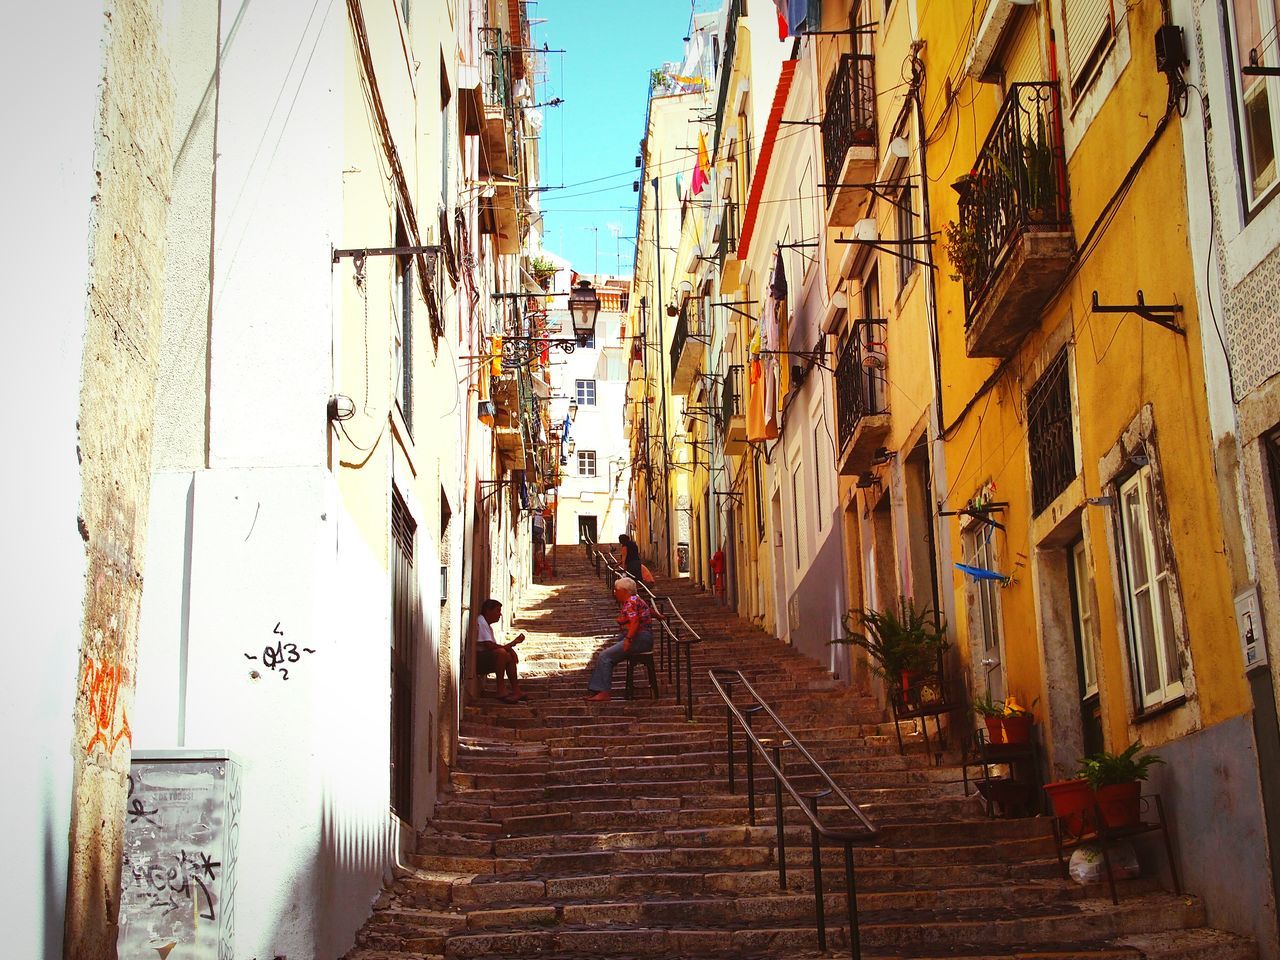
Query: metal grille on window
point(404, 610)
point(1050, 437)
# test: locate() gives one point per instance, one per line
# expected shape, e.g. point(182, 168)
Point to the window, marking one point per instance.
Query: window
point(586, 393)
point(819, 465)
point(405, 612)
point(624, 302)
point(984, 607)
point(1089, 25)
point(1050, 434)
point(1148, 593)
point(591, 341)
point(404, 305)
point(905, 216)
point(1086, 633)
point(795, 511)
point(755, 461)
point(586, 463)
point(1253, 23)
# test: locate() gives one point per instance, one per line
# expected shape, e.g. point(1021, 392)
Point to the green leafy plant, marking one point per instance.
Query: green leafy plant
point(1104, 769)
point(963, 250)
point(984, 706)
point(1037, 159)
point(542, 269)
point(901, 639)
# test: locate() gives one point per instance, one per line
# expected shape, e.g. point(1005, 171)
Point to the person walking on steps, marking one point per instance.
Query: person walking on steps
point(630, 558)
point(637, 637)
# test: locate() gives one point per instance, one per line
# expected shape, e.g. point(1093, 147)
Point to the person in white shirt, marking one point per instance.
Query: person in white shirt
point(497, 658)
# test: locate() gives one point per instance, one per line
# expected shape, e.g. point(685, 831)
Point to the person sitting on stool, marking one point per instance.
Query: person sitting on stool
point(637, 637)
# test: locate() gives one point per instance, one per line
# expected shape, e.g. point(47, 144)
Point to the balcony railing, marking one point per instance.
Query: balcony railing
point(684, 326)
point(728, 230)
point(497, 88)
point(861, 384)
point(736, 11)
point(730, 397)
point(1050, 438)
point(1018, 184)
point(850, 119)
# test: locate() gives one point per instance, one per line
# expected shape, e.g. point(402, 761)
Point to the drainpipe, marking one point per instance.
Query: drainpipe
point(662, 378)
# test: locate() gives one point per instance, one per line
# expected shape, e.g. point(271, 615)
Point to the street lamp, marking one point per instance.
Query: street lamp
point(573, 411)
point(584, 307)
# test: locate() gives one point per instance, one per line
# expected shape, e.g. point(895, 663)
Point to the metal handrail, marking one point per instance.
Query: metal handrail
point(667, 634)
point(807, 802)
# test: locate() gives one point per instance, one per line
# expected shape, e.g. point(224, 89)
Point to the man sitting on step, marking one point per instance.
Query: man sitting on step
point(496, 658)
point(637, 637)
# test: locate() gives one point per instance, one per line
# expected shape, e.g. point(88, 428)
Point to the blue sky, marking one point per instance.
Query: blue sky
point(611, 45)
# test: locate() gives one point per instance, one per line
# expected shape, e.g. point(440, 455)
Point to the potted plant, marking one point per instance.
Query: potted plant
point(1017, 722)
point(902, 641)
point(1116, 780)
point(992, 714)
point(1037, 160)
point(543, 270)
point(1069, 800)
point(964, 251)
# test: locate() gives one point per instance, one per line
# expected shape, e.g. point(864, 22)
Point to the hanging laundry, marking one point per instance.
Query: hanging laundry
point(778, 284)
point(701, 169)
point(798, 16)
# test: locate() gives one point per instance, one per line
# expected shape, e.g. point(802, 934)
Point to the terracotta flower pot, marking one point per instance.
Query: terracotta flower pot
point(1017, 730)
point(1070, 799)
point(1120, 804)
point(995, 729)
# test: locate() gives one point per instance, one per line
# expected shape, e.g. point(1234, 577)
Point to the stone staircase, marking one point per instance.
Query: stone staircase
point(608, 830)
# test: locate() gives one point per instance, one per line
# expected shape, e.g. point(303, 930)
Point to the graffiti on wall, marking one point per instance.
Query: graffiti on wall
point(101, 683)
point(279, 656)
point(178, 871)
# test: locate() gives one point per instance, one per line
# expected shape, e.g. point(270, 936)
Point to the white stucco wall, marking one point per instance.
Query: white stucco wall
point(44, 264)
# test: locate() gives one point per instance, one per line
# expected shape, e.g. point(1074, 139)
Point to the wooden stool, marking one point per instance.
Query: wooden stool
point(646, 660)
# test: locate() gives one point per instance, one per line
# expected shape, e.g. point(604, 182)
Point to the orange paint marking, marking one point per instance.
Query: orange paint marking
point(101, 683)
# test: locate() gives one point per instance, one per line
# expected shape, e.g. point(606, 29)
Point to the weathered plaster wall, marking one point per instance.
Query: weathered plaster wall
point(44, 263)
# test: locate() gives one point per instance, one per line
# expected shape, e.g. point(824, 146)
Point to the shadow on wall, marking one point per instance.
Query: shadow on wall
point(54, 879)
point(355, 855)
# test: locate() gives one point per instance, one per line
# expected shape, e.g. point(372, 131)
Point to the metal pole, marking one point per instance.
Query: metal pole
point(688, 670)
point(777, 813)
point(728, 729)
point(851, 894)
point(751, 774)
point(819, 902)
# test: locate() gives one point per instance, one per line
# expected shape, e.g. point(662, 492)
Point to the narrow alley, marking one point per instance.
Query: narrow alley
point(608, 830)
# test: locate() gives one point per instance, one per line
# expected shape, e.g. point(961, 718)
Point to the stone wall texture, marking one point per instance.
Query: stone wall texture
point(132, 166)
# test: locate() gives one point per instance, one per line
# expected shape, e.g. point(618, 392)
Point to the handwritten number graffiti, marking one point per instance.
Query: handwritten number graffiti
point(171, 887)
point(278, 656)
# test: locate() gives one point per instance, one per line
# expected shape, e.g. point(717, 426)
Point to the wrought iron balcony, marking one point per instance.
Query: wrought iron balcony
point(733, 425)
point(1014, 236)
point(862, 396)
point(849, 136)
point(496, 145)
point(687, 347)
point(728, 230)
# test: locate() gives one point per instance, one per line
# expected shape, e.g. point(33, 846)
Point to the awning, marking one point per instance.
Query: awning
point(766, 154)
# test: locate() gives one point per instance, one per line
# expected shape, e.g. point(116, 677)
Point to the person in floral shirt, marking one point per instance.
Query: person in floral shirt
point(636, 637)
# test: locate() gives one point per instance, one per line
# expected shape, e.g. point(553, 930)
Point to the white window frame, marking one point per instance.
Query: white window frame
point(1254, 196)
point(1086, 620)
point(582, 388)
point(985, 624)
point(1153, 640)
point(585, 457)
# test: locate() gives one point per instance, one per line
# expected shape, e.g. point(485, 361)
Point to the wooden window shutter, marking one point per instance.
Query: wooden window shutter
point(1021, 54)
point(1088, 23)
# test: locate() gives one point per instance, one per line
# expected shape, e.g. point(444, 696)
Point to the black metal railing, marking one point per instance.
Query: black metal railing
point(736, 11)
point(686, 324)
point(1018, 182)
point(1051, 443)
point(850, 118)
point(861, 378)
point(675, 640)
point(821, 825)
point(731, 396)
point(728, 230)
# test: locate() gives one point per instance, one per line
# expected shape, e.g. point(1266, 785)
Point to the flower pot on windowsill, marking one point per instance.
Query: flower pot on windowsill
point(863, 137)
point(1070, 799)
point(1120, 804)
